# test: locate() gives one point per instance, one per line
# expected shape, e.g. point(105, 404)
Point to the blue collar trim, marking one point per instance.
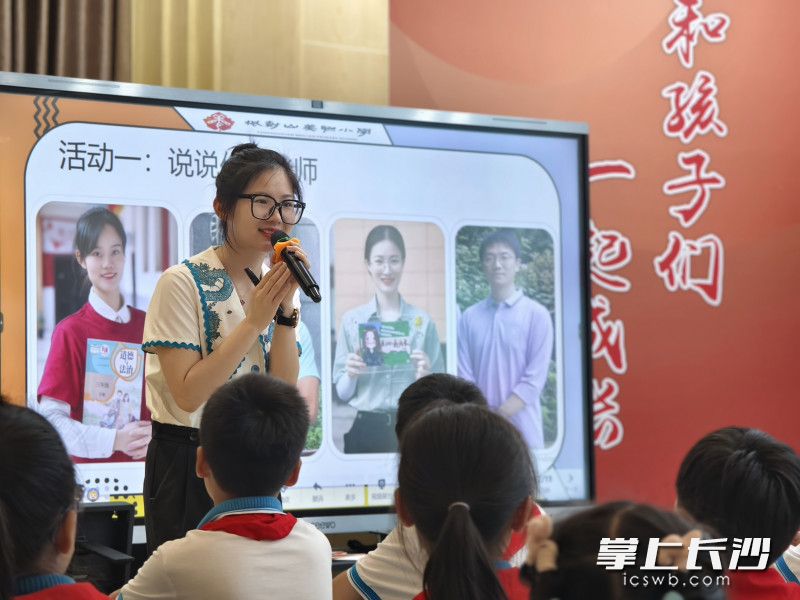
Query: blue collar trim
point(250, 504)
point(36, 583)
point(502, 565)
point(784, 569)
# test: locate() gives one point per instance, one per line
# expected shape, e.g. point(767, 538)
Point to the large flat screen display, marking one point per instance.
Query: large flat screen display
point(477, 224)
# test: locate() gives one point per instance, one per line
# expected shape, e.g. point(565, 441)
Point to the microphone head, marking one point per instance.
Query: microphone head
point(278, 236)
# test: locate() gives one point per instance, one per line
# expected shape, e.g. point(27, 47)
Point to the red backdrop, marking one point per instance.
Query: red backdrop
point(707, 333)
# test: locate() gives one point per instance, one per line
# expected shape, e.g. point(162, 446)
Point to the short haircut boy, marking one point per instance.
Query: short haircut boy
point(433, 389)
point(743, 483)
point(252, 432)
point(502, 236)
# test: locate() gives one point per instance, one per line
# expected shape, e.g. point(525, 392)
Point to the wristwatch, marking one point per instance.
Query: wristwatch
point(290, 321)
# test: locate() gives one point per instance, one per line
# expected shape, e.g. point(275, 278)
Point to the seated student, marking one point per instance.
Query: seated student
point(465, 481)
point(38, 502)
point(562, 562)
point(745, 484)
point(252, 432)
point(393, 571)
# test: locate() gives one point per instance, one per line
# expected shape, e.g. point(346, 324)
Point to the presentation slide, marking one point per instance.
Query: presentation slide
point(479, 231)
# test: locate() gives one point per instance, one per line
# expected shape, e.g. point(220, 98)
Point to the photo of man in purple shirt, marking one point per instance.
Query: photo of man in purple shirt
point(505, 342)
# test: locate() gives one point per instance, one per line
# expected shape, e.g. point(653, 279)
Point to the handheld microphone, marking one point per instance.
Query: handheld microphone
point(297, 267)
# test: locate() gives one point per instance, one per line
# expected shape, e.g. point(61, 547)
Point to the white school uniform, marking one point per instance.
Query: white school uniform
point(220, 564)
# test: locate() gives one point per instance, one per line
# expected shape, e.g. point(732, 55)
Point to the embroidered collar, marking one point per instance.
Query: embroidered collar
point(31, 584)
point(123, 315)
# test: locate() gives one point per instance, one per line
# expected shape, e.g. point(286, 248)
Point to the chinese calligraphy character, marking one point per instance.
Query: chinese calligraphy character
point(617, 553)
point(180, 162)
point(608, 429)
point(327, 128)
point(608, 251)
point(309, 127)
point(750, 548)
point(700, 181)
point(362, 131)
point(611, 169)
point(608, 337)
point(675, 266)
point(271, 124)
point(687, 22)
point(694, 110)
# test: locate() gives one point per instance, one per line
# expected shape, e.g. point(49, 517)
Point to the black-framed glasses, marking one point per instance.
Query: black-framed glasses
point(262, 207)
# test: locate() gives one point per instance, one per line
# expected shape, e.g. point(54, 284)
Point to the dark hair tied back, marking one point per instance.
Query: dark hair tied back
point(245, 162)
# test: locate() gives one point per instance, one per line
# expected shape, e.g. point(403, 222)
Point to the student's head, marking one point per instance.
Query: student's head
point(501, 258)
point(571, 571)
point(385, 256)
point(743, 483)
point(370, 338)
point(252, 433)
point(433, 390)
point(37, 497)
point(100, 242)
point(466, 480)
point(266, 177)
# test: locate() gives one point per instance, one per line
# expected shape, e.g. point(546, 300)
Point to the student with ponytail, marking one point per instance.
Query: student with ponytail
point(466, 481)
point(38, 503)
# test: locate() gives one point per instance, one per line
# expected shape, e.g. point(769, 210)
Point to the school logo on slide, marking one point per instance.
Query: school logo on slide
point(218, 122)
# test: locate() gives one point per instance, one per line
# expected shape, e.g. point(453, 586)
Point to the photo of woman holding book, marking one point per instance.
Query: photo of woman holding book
point(91, 388)
point(382, 346)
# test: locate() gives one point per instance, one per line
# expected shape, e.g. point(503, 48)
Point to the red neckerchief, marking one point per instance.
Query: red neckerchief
point(254, 526)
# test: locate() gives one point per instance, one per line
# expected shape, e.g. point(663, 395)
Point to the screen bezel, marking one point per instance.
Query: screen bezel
point(15, 83)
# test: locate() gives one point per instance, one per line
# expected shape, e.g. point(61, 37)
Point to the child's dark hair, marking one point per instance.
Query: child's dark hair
point(502, 236)
point(578, 576)
point(37, 490)
point(379, 233)
point(252, 432)
point(91, 224)
point(743, 483)
point(433, 390)
point(464, 472)
point(245, 162)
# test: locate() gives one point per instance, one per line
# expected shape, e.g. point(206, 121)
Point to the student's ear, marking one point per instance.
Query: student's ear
point(294, 475)
point(522, 515)
point(65, 534)
point(201, 465)
point(217, 207)
point(796, 538)
point(400, 509)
